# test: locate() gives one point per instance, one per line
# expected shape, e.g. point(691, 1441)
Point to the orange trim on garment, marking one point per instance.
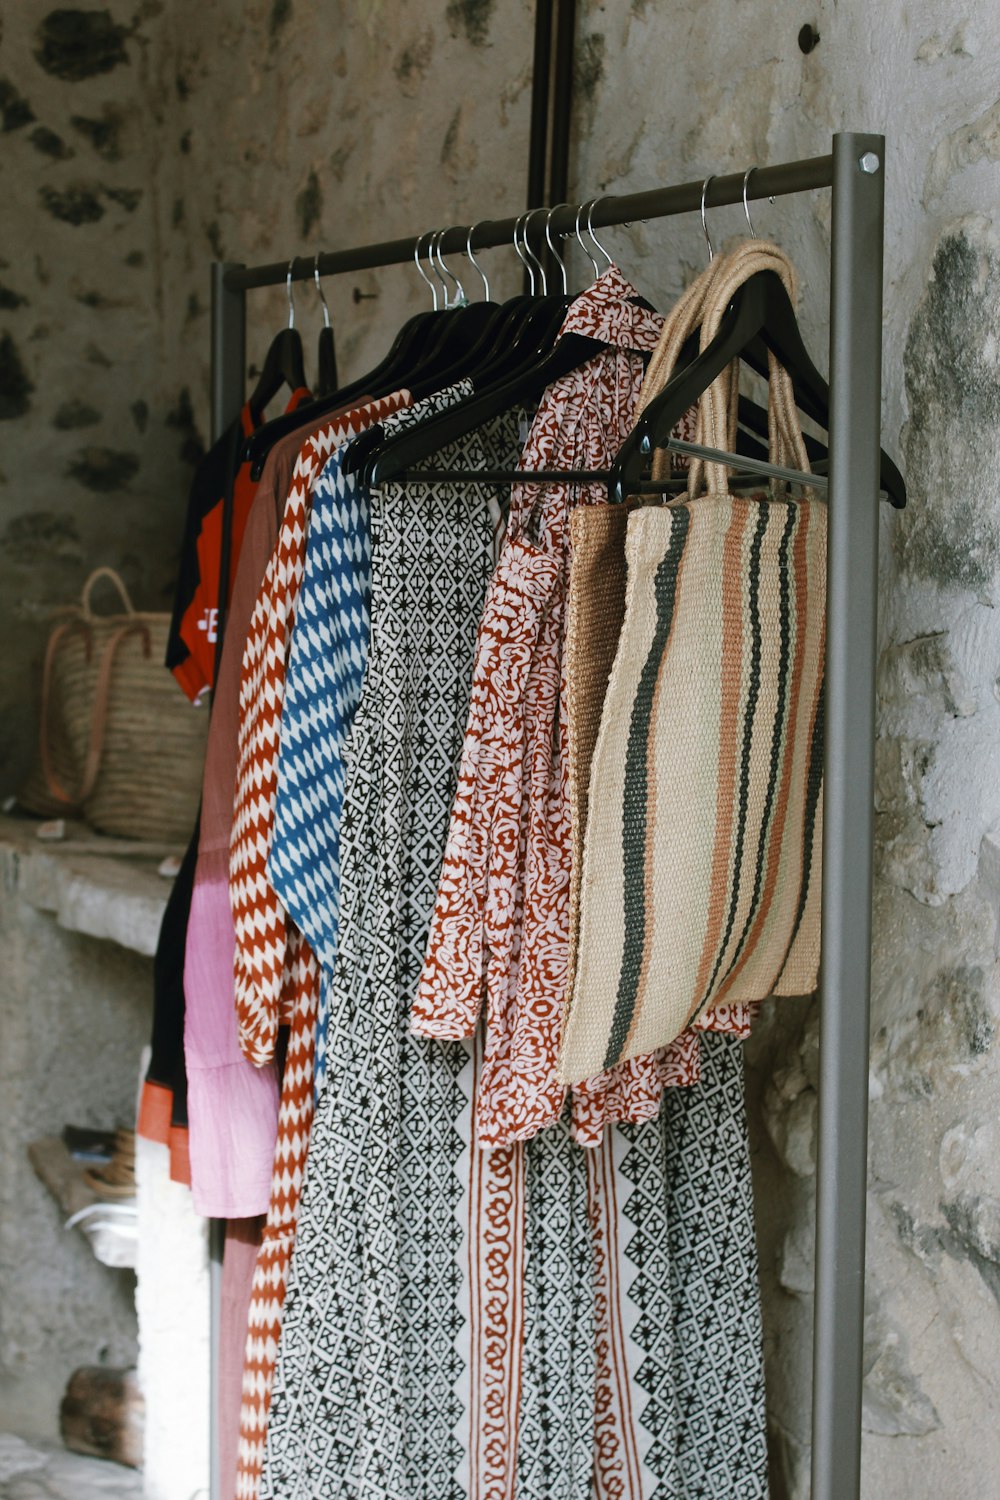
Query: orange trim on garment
point(180, 1157)
point(156, 1105)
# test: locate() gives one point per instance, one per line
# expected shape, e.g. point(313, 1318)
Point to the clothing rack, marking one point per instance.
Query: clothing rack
point(855, 172)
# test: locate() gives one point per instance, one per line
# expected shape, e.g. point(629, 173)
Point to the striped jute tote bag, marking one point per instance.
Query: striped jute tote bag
point(700, 878)
point(596, 598)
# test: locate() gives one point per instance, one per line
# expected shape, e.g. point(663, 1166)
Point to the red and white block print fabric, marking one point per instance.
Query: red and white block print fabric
point(500, 929)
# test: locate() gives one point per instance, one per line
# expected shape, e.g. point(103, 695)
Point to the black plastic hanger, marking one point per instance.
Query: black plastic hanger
point(760, 308)
point(812, 394)
point(283, 363)
point(517, 379)
point(528, 327)
point(524, 389)
point(523, 328)
point(404, 349)
point(326, 368)
point(754, 419)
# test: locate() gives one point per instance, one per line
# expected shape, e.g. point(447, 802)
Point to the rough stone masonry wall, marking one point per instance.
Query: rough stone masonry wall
point(74, 1017)
point(97, 434)
point(289, 124)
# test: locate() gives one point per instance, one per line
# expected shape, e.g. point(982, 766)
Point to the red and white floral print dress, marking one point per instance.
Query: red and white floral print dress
point(499, 935)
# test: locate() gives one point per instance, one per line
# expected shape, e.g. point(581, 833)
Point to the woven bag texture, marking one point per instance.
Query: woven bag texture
point(119, 745)
point(595, 610)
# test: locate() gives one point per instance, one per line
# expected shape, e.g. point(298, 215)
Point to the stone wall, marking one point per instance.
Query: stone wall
point(348, 123)
point(97, 431)
point(265, 128)
point(74, 1017)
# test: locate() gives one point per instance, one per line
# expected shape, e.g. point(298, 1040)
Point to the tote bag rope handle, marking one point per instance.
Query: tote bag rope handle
point(718, 407)
point(703, 305)
point(683, 319)
point(88, 587)
point(102, 699)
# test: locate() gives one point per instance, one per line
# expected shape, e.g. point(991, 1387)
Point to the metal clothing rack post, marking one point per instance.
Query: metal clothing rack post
point(855, 171)
point(551, 118)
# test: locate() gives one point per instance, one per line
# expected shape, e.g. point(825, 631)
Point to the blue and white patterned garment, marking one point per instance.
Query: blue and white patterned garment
point(323, 683)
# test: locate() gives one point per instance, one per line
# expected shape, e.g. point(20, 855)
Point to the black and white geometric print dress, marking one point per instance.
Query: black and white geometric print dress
point(417, 1326)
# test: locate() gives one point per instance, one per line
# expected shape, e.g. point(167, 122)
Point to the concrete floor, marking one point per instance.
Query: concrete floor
point(38, 1471)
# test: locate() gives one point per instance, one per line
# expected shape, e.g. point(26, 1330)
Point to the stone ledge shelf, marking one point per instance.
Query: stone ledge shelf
point(63, 1175)
point(100, 887)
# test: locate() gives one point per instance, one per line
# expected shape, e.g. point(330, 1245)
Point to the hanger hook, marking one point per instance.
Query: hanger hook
point(438, 267)
point(423, 274)
point(579, 240)
point(746, 206)
point(522, 257)
point(528, 250)
point(548, 240)
point(704, 219)
point(288, 292)
point(432, 266)
point(322, 294)
point(461, 298)
point(482, 273)
point(590, 230)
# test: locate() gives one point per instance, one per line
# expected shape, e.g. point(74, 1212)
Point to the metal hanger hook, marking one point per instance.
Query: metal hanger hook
point(450, 274)
point(288, 293)
point(482, 273)
point(438, 267)
point(528, 250)
point(522, 257)
point(746, 206)
point(590, 230)
point(548, 240)
point(579, 240)
point(423, 274)
point(704, 219)
point(322, 294)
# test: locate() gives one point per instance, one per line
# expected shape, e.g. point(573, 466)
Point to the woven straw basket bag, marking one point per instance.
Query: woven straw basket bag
point(697, 841)
point(119, 745)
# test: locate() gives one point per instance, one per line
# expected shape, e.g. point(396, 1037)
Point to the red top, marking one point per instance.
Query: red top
point(199, 626)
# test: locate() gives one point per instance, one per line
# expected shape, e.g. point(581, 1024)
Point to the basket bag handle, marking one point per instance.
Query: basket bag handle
point(86, 609)
point(82, 621)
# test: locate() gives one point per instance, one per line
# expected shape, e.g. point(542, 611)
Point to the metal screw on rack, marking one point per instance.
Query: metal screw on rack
point(869, 163)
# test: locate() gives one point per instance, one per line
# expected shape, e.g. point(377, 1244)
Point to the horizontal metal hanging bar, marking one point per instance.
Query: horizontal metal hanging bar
point(748, 465)
point(590, 476)
point(741, 463)
point(501, 476)
point(659, 203)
